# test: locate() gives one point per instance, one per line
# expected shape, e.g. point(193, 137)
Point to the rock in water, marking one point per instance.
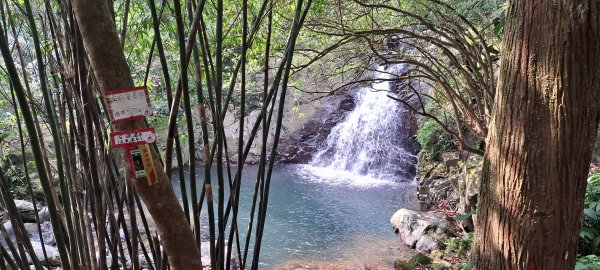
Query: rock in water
point(47, 233)
point(26, 210)
point(9, 231)
point(44, 214)
point(52, 252)
point(423, 231)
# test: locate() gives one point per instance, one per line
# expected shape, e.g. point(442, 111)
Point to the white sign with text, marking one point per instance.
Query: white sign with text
point(128, 104)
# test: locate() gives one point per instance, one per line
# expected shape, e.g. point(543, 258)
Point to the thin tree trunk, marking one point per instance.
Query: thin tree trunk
point(108, 61)
point(541, 136)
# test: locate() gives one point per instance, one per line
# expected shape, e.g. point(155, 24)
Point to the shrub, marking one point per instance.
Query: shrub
point(434, 139)
point(465, 266)
point(16, 182)
point(589, 262)
point(459, 245)
point(589, 233)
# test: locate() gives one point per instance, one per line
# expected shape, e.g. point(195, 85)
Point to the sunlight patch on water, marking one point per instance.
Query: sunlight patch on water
point(335, 177)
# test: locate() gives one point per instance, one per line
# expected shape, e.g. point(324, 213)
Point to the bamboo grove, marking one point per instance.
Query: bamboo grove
point(54, 78)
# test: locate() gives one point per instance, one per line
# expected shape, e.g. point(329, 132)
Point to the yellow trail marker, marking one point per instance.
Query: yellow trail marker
point(148, 164)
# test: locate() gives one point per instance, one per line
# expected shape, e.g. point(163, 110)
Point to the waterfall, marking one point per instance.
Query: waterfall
point(368, 143)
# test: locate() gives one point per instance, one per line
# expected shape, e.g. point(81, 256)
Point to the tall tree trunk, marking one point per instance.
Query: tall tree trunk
point(112, 72)
point(541, 136)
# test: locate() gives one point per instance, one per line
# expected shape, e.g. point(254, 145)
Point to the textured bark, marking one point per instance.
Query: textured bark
point(541, 136)
point(112, 72)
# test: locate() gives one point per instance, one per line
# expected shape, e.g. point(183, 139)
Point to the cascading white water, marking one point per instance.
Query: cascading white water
point(366, 144)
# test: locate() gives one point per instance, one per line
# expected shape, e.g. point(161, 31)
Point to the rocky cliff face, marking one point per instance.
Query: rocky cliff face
point(454, 180)
point(300, 146)
point(390, 137)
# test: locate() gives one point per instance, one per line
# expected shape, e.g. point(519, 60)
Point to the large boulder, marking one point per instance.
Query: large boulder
point(47, 232)
point(51, 252)
point(26, 210)
point(32, 230)
point(423, 231)
point(44, 214)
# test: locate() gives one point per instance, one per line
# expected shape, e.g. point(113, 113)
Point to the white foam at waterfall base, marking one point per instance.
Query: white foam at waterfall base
point(335, 177)
point(363, 150)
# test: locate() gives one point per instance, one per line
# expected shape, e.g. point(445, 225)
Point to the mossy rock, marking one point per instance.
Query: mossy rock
point(419, 259)
point(402, 265)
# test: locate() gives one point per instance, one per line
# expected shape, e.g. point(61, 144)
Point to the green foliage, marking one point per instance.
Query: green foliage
point(402, 265)
point(417, 260)
point(433, 139)
point(15, 182)
point(590, 262)
point(465, 216)
point(498, 27)
point(589, 233)
point(465, 266)
point(439, 267)
point(459, 245)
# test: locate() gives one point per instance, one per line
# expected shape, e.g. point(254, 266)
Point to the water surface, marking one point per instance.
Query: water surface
point(315, 218)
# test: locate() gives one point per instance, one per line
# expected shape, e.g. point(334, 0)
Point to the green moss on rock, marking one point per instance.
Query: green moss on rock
point(402, 265)
point(419, 259)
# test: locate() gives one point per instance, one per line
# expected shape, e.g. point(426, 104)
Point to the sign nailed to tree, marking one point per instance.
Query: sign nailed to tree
point(142, 165)
point(128, 104)
point(129, 138)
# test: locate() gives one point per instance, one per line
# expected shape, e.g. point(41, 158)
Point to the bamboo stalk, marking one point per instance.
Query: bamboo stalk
point(36, 149)
point(50, 110)
point(27, 178)
point(219, 264)
point(235, 196)
point(206, 151)
point(176, 98)
point(6, 258)
point(265, 134)
point(13, 251)
point(184, 84)
point(89, 181)
point(167, 79)
point(298, 21)
point(21, 233)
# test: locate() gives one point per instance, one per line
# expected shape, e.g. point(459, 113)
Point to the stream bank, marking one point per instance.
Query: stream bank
point(441, 230)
